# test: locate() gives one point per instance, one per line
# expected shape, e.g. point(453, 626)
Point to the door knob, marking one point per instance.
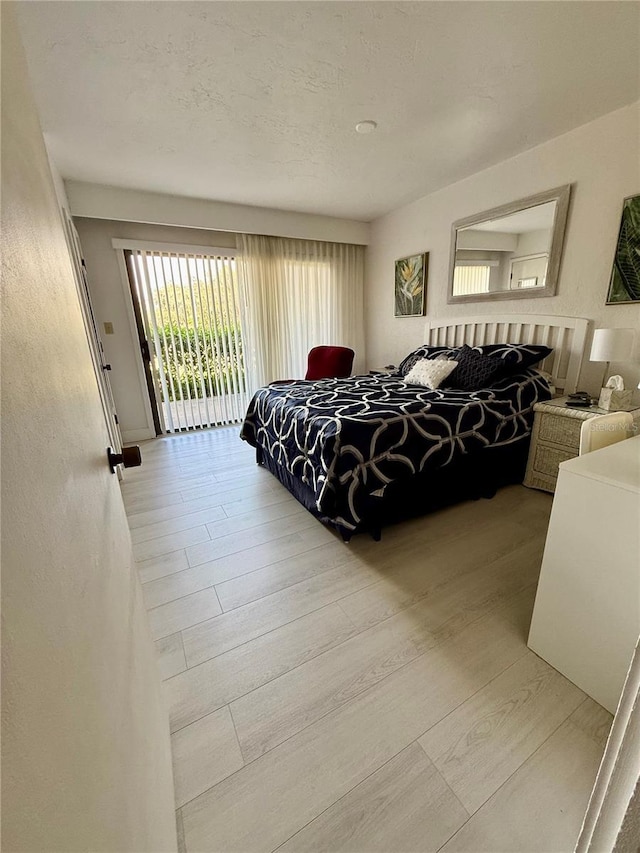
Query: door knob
point(129, 458)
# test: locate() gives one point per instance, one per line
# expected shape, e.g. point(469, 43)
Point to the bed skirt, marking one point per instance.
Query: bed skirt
point(466, 478)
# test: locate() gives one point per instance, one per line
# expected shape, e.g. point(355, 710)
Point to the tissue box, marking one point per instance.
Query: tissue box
point(615, 401)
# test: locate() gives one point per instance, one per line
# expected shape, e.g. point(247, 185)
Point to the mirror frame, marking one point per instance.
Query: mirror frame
point(562, 196)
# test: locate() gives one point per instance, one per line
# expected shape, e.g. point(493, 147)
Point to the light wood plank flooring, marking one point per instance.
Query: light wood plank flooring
point(363, 697)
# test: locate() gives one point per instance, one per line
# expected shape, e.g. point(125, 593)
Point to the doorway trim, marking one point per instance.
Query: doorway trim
point(150, 431)
point(612, 797)
point(94, 340)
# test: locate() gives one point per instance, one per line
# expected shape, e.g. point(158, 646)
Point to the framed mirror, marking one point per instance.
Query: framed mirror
point(510, 252)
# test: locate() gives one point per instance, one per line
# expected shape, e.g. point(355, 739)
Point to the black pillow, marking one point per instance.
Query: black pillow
point(475, 370)
point(516, 357)
point(425, 351)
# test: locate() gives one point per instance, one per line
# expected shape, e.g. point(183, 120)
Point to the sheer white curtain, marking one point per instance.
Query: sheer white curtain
point(297, 294)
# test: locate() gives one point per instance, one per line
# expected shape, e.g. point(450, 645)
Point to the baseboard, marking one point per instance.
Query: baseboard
point(133, 435)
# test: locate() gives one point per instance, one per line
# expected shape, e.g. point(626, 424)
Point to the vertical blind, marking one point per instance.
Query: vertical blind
point(297, 294)
point(191, 314)
point(471, 278)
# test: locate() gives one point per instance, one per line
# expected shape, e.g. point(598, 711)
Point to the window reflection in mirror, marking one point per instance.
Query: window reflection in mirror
point(512, 251)
point(504, 254)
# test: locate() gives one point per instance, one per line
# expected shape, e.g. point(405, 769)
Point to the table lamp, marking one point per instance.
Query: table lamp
point(613, 345)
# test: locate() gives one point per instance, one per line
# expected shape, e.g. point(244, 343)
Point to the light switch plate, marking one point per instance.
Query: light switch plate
point(108, 328)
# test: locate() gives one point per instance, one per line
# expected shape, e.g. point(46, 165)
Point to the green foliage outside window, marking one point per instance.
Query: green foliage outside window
point(220, 355)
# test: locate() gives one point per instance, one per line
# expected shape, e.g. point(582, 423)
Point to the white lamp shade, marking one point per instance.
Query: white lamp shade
point(612, 345)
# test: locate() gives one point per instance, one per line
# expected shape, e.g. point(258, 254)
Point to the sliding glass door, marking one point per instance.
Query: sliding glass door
point(188, 315)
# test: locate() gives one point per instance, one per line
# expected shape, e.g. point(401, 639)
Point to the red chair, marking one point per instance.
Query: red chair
point(329, 363)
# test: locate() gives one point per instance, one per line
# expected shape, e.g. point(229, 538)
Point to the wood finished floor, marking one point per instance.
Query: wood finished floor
point(369, 697)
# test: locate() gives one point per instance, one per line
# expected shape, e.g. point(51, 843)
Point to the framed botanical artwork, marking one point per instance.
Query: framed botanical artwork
point(625, 275)
point(411, 285)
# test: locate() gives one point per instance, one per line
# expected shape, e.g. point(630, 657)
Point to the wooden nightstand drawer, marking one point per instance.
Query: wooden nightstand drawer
point(560, 430)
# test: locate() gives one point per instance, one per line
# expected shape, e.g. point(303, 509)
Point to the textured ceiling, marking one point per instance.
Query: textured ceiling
point(256, 102)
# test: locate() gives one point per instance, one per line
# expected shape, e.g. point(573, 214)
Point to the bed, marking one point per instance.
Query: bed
point(367, 451)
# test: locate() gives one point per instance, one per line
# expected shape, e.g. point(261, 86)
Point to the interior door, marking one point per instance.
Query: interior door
point(101, 367)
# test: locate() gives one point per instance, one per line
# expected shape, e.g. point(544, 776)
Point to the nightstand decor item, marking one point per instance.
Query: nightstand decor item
point(614, 398)
point(625, 275)
point(580, 400)
point(410, 285)
point(613, 345)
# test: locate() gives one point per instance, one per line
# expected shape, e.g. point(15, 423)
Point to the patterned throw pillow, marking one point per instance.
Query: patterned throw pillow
point(516, 357)
point(430, 372)
point(427, 352)
point(474, 370)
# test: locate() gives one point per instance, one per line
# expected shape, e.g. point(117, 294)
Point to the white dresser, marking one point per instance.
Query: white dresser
point(586, 618)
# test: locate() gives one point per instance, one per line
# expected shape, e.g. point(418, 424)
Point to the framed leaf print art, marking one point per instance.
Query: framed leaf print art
point(625, 276)
point(410, 285)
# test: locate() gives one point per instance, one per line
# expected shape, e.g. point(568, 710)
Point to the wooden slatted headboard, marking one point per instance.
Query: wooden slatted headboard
point(566, 335)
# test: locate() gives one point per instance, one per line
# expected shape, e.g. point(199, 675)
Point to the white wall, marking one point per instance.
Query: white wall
point(533, 242)
point(601, 159)
point(96, 201)
point(85, 736)
point(494, 241)
point(112, 304)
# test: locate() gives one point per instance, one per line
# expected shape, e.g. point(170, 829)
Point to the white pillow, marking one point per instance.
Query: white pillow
point(430, 372)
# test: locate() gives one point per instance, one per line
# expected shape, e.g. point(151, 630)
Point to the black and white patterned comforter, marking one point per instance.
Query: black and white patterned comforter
point(347, 439)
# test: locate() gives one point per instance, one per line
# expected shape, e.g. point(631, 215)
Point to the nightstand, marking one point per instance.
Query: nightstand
point(556, 438)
